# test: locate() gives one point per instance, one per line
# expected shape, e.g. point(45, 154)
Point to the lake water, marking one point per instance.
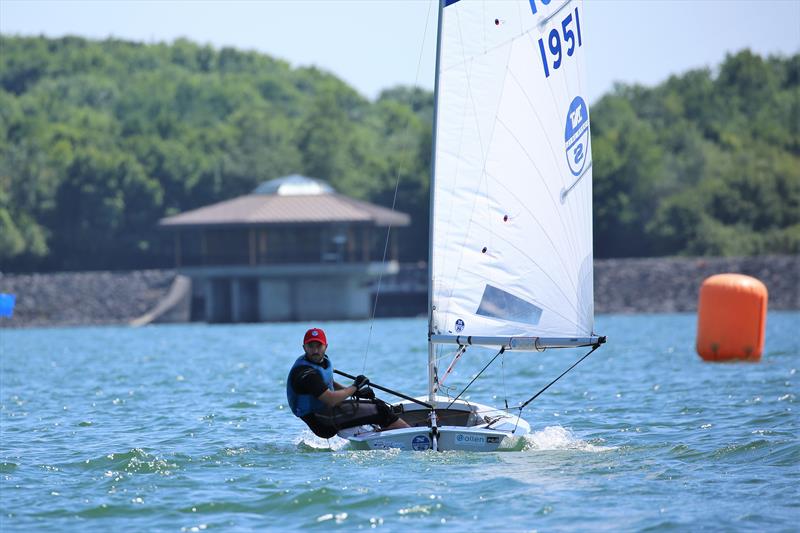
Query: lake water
point(185, 428)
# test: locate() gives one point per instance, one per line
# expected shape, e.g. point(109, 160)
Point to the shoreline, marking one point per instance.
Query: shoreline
point(622, 286)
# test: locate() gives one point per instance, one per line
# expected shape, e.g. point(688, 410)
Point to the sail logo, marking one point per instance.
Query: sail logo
point(459, 325)
point(576, 135)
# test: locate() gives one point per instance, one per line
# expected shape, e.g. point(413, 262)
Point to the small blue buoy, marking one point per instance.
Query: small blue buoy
point(7, 302)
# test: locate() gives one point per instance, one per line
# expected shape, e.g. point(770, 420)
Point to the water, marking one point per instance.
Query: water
point(185, 428)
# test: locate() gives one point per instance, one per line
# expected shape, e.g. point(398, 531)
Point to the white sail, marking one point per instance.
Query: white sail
point(512, 197)
point(511, 210)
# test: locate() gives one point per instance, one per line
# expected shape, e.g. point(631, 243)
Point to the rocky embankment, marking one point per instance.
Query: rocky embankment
point(653, 285)
point(667, 285)
point(83, 298)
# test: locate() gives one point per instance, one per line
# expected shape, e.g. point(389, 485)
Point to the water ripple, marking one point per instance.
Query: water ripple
point(185, 428)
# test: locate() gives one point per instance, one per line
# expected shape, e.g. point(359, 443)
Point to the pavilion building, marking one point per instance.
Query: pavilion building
point(292, 250)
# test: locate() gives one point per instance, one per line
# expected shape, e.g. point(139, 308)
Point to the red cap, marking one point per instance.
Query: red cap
point(315, 335)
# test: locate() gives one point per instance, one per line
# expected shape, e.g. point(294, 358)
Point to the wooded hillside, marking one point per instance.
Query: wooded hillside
point(707, 163)
point(100, 139)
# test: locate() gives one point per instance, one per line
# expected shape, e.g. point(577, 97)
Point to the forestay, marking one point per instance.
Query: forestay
point(512, 214)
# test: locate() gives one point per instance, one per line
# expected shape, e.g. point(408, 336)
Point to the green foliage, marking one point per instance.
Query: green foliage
point(701, 165)
point(101, 139)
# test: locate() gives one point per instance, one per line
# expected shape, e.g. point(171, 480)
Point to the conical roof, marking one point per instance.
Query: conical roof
point(294, 185)
point(292, 199)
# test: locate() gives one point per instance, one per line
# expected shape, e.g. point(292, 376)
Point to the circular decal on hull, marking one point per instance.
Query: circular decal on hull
point(421, 443)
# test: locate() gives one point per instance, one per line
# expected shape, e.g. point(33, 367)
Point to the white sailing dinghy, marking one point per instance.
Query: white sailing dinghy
point(511, 207)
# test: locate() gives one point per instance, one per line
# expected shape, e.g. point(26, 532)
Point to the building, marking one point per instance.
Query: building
point(293, 250)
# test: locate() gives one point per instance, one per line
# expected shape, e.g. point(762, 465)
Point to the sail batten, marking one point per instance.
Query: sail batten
point(511, 218)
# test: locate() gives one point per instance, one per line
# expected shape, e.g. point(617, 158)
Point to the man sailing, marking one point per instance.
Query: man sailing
point(325, 405)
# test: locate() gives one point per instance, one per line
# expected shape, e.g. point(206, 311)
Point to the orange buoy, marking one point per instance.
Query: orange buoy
point(731, 316)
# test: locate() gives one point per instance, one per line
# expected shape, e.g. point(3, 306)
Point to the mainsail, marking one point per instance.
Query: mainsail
point(511, 210)
point(511, 219)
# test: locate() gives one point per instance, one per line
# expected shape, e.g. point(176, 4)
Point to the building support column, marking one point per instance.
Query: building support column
point(236, 300)
point(178, 249)
point(251, 247)
point(209, 290)
point(275, 300)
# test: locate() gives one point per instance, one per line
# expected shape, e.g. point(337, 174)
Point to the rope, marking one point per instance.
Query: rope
point(523, 405)
point(503, 373)
point(502, 350)
point(439, 383)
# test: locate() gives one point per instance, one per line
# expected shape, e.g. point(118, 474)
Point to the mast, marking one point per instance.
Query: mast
point(431, 348)
point(431, 354)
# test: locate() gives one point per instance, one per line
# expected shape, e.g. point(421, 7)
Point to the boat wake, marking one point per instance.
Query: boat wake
point(559, 438)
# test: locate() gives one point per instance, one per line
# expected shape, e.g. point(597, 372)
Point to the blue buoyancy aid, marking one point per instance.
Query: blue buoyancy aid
point(304, 404)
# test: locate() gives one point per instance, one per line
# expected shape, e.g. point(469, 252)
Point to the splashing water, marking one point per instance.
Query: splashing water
point(307, 441)
point(559, 438)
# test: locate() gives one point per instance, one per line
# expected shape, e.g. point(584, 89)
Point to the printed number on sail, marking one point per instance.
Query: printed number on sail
point(560, 42)
point(533, 4)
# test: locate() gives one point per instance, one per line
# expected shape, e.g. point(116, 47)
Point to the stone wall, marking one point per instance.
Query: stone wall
point(667, 285)
point(83, 298)
point(653, 285)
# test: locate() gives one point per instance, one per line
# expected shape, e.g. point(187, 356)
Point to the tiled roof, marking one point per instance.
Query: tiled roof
point(261, 209)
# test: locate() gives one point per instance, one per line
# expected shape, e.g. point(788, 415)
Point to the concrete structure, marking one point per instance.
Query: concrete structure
point(294, 249)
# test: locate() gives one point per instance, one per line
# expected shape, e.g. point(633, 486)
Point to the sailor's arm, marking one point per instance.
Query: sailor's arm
point(332, 398)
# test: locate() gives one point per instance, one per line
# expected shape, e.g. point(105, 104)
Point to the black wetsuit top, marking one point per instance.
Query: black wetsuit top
point(306, 380)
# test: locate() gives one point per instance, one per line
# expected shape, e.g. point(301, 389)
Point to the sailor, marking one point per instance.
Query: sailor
point(325, 405)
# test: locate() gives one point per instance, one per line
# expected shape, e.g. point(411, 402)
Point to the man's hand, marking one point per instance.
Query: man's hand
point(361, 382)
point(365, 393)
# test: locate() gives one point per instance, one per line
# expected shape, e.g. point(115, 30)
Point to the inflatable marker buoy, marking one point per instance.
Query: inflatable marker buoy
point(731, 316)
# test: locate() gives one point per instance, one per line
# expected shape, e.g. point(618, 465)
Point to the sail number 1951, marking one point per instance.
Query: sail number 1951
point(557, 41)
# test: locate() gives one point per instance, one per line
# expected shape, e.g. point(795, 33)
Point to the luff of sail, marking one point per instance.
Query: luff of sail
point(512, 228)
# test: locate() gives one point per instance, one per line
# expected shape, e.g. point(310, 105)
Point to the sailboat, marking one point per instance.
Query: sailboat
point(511, 208)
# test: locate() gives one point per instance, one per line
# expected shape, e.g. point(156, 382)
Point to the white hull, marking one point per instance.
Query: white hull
point(462, 426)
